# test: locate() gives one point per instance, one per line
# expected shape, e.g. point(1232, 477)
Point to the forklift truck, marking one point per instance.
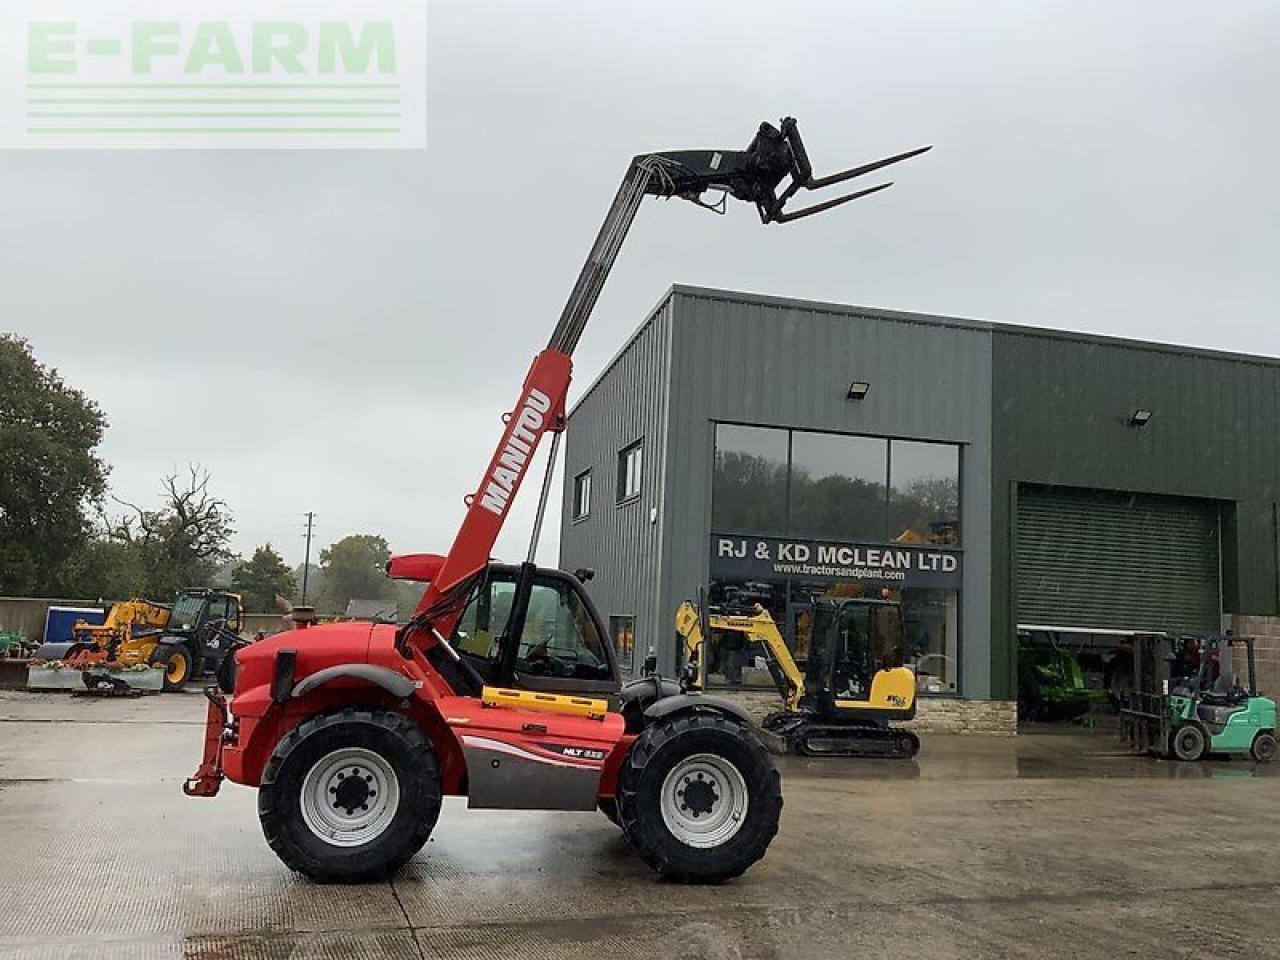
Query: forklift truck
point(1189, 707)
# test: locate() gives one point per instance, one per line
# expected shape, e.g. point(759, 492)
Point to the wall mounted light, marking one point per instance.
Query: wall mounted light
point(1140, 417)
point(858, 390)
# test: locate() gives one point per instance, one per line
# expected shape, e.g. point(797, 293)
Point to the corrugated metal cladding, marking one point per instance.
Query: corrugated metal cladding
point(766, 361)
point(1061, 418)
point(622, 542)
point(1089, 558)
point(1027, 406)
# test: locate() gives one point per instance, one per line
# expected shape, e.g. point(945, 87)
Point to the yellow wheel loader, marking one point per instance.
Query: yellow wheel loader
point(183, 640)
point(854, 684)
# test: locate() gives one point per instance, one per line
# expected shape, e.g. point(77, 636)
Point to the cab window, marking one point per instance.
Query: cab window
point(560, 638)
point(481, 624)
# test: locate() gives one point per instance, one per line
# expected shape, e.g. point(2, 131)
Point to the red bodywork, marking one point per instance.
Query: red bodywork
point(239, 749)
point(585, 753)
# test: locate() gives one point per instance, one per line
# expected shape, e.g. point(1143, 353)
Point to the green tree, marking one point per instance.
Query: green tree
point(354, 567)
point(263, 577)
point(49, 472)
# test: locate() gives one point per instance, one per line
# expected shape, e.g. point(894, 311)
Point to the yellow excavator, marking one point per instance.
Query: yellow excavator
point(854, 684)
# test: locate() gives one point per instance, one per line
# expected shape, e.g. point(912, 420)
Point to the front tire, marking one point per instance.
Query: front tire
point(350, 796)
point(1189, 742)
point(699, 798)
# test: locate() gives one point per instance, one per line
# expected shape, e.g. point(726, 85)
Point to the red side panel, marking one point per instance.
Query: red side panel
point(530, 759)
point(539, 410)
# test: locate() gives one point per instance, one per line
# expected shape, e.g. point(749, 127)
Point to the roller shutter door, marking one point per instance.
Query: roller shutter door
point(1088, 558)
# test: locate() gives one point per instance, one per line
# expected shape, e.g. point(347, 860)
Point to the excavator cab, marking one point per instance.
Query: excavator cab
point(856, 659)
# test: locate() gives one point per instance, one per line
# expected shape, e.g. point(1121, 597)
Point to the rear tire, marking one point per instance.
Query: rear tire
point(1263, 749)
point(699, 798)
point(350, 796)
point(1188, 742)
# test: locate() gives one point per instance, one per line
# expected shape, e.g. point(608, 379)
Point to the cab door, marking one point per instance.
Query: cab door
point(540, 633)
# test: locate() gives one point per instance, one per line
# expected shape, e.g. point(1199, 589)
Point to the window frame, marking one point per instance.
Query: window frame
point(490, 665)
point(577, 516)
point(626, 665)
point(624, 496)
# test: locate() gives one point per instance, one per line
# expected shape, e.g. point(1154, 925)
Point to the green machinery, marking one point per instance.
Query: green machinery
point(1051, 685)
point(1187, 701)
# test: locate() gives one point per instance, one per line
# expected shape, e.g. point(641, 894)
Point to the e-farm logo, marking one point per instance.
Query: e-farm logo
point(215, 73)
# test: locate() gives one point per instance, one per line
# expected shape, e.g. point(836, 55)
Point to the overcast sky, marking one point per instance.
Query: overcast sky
point(339, 331)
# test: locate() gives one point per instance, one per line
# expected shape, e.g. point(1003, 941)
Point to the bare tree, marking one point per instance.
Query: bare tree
point(184, 538)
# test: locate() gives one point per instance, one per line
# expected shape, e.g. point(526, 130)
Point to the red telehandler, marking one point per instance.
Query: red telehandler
point(504, 687)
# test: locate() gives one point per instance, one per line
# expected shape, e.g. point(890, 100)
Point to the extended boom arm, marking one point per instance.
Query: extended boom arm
point(752, 175)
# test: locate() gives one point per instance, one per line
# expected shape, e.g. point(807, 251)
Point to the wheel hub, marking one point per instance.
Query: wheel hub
point(352, 790)
point(350, 796)
point(697, 795)
point(704, 800)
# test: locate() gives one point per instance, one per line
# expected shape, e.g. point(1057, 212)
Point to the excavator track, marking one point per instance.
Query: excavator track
point(809, 738)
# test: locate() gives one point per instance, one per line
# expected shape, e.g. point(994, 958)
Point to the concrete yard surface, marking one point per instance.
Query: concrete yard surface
point(1052, 844)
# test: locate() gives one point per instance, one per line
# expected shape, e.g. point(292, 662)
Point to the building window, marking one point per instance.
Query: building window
point(623, 631)
point(799, 518)
point(630, 461)
point(749, 485)
point(924, 493)
point(838, 486)
point(582, 495)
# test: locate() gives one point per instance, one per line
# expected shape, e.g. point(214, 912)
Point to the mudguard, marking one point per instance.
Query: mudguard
point(669, 706)
point(396, 684)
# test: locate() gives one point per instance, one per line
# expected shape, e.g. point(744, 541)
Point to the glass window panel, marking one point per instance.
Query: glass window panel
point(559, 637)
point(924, 493)
point(623, 630)
point(629, 469)
point(581, 495)
point(931, 623)
point(749, 489)
point(735, 659)
point(838, 486)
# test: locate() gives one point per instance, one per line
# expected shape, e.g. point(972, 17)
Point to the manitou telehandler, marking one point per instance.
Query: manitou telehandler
point(853, 685)
point(503, 686)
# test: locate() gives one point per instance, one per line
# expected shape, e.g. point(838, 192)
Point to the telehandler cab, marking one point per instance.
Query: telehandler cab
point(503, 686)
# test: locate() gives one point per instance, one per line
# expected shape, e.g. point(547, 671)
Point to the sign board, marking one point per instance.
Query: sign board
point(892, 565)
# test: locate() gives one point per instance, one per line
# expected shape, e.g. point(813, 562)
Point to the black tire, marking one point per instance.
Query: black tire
point(609, 807)
point(657, 752)
point(403, 750)
point(1188, 742)
point(179, 667)
point(1263, 749)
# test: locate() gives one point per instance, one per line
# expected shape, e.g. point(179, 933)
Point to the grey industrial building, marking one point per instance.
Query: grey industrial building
point(992, 477)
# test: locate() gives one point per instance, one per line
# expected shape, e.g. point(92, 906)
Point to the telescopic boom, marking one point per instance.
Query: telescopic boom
point(754, 176)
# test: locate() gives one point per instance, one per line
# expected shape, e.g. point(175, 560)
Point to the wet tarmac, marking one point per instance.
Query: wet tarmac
point(1054, 844)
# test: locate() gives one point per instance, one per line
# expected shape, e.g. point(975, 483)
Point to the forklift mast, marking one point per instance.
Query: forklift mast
point(753, 175)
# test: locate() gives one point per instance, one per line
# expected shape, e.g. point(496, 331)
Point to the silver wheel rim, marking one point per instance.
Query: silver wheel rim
point(704, 800)
point(342, 811)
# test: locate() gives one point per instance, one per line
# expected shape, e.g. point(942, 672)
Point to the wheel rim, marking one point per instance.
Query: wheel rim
point(177, 671)
point(350, 797)
point(1189, 742)
point(704, 800)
